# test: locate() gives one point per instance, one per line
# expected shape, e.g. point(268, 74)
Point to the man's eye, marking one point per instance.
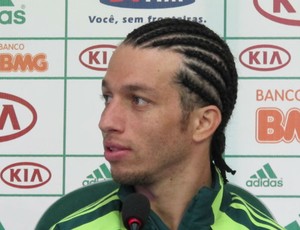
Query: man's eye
point(106, 98)
point(139, 101)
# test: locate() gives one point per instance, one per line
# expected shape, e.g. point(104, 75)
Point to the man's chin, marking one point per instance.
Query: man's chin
point(130, 179)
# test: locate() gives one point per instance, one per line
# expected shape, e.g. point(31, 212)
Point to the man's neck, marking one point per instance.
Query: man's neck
point(170, 197)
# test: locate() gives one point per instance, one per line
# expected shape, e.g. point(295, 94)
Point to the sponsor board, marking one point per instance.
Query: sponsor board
point(265, 57)
point(90, 58)
point(120, 17)
point(11, 14)
point(293, 226)
point(31, 58)
point(271, 123)
point(92, 170)
point(266, 121)
point(28, 18)
point(147, 4)
point(13, 114)
point(31, 175)
point(101, 173)
point(25, 175)
point(19, 62)
point(97, 57)
point(82, 121)
point(31, 121)
point(290, 219)
point(262, 59)
point(279, 11)
point(267, 18)
point(265, 177)
point(6, 3)
point(273, 126)
point(21, 212)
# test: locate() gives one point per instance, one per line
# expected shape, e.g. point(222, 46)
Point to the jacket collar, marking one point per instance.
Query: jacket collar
point(205, 206)
point(201, 212)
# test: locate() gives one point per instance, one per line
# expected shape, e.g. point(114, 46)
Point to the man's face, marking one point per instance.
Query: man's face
point(141, 122)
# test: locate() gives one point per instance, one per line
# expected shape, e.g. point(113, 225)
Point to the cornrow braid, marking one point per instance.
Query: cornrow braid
point(208, 77)
point(193, 86)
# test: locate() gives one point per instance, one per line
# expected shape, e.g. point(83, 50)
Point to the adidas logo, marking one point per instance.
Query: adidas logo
point(264, 177)
point(293, 226)
point(11, 16)
point(6, 3)
point(1, 227)
point(99, 174)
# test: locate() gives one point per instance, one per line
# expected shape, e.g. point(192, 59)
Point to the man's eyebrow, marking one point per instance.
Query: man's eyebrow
point(138, 87)
point(104, 83)
point(132, 87)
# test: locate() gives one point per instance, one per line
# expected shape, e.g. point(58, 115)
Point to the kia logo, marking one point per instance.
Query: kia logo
point(265, 57)
point(11, 124)
point(281, 11)
point(97, 57)
point(25, 175)
point(147, 4)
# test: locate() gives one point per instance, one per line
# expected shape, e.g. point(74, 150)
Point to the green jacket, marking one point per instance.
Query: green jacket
point(211, 208)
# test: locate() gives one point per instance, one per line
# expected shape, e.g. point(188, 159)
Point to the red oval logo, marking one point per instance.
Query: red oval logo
point(25, 175)
point(282, 11)
point(97, 57)
point(9, 115)
point(265, 57)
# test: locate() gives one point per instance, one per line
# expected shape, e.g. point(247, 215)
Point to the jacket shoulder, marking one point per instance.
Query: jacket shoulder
point(243, 209)
point(77, 201)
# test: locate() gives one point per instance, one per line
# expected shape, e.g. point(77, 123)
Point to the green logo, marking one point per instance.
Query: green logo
point(11, 16)
point(264, 177)
point(293, 226)
point(99, 174)
point(1, 227)
point(6, 3)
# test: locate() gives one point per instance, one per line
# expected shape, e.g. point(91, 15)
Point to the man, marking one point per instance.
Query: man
point(169, 92)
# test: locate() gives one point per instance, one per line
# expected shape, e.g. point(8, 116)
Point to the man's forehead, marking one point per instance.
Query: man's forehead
point(141, 67)
point(155, 53)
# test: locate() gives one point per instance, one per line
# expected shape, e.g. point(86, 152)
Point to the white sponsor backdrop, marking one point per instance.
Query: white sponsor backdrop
point(53, 55)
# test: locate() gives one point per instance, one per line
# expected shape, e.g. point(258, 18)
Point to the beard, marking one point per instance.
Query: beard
point(157, 162)
point(133, 178)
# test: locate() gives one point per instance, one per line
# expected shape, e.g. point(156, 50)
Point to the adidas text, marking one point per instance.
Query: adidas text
point(92, 181)
point(264, 183)
point(12, 17)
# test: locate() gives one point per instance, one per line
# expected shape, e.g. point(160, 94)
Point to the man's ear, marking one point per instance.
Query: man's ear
point(205, 122)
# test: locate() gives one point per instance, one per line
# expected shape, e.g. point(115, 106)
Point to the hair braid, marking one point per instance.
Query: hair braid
point(192, 43)
point(212, 80)
point(197, 89)
point(209, 75)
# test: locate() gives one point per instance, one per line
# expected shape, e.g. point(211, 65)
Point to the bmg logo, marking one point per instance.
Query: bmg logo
point(273, 126)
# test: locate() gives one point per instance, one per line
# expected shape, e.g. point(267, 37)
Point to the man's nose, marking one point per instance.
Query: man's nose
point(112, 118)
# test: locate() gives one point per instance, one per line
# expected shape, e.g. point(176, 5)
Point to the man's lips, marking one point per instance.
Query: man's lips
point(114, 151)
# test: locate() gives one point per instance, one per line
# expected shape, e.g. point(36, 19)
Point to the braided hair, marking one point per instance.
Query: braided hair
point(209, 76)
